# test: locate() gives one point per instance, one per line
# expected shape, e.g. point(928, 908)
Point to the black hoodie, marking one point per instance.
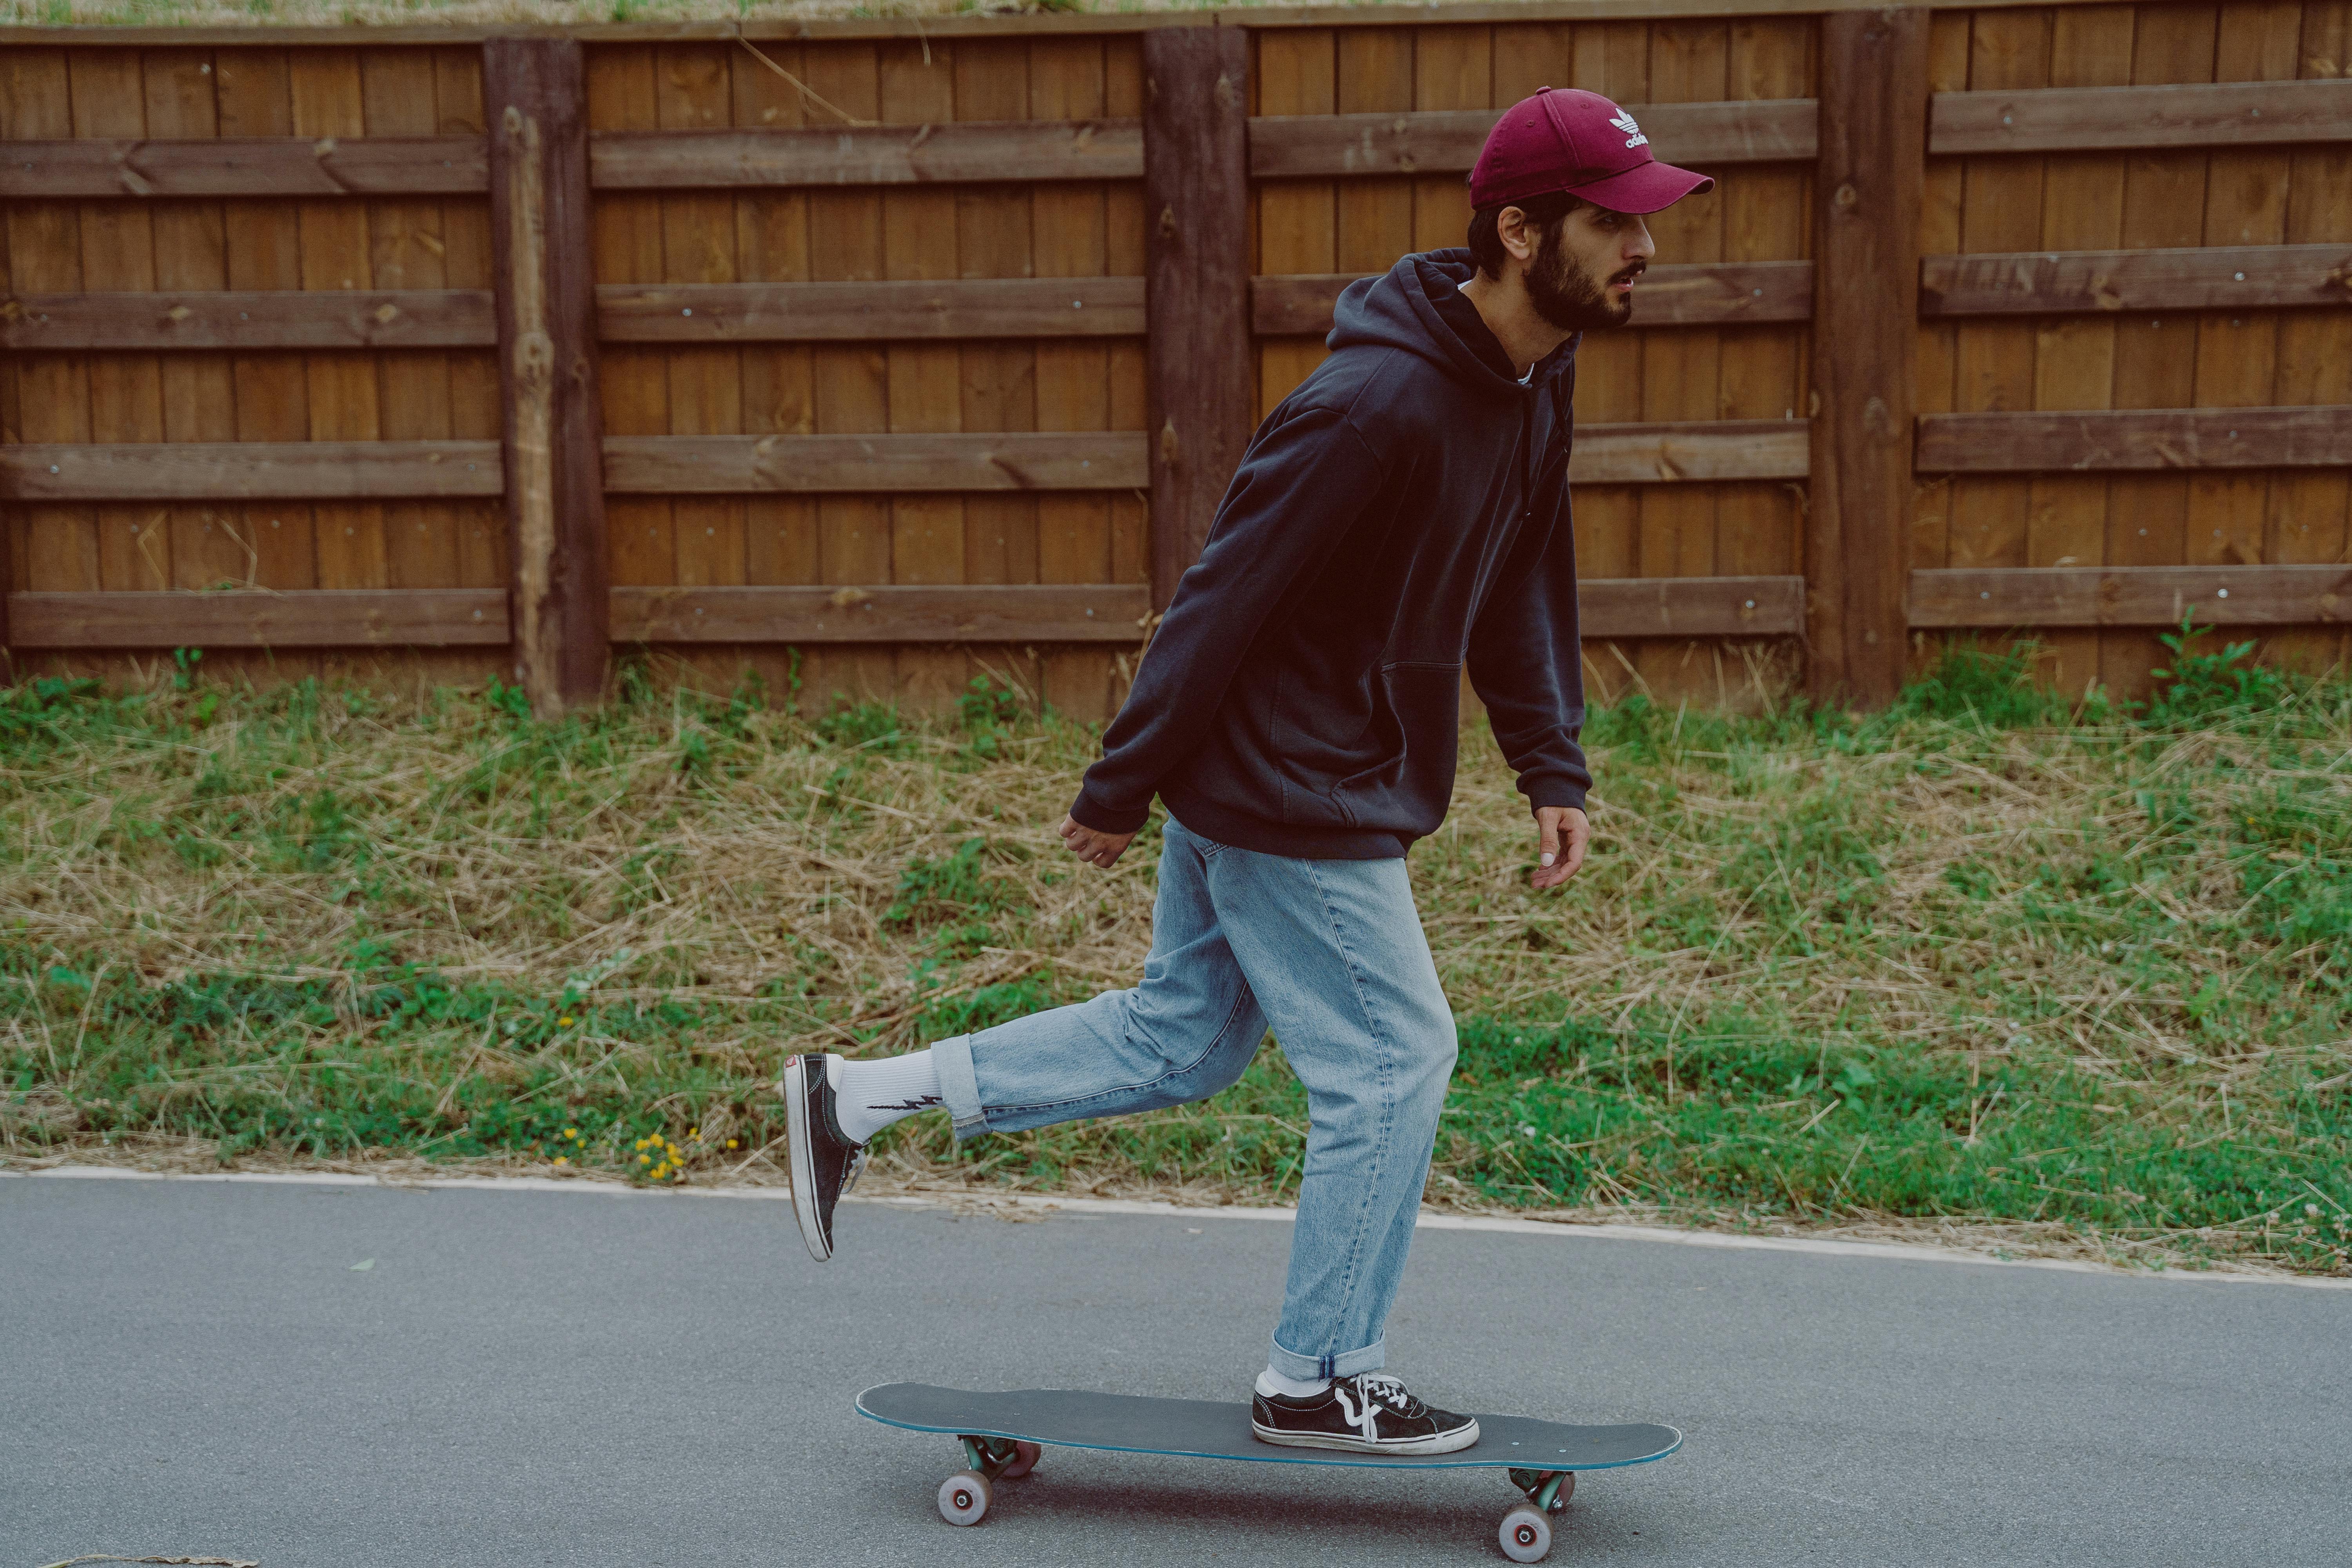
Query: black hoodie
point(1401, 512)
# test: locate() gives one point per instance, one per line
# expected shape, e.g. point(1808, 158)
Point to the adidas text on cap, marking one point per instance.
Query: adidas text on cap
point(1565, 139)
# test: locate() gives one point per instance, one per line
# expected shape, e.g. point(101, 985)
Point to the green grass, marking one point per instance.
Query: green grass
point(1986, 957)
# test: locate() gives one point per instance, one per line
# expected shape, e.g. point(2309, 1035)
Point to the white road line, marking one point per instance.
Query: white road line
point(1896, 1251)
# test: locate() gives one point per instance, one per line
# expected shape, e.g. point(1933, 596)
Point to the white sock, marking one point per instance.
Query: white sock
point(872, 1095)
point(1271, 1381)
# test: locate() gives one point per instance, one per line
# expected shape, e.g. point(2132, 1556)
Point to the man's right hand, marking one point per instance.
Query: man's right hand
point(1099, 849)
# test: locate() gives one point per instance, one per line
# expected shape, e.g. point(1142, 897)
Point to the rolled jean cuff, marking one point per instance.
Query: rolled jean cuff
point(959, 1090)
point(1347, 1363)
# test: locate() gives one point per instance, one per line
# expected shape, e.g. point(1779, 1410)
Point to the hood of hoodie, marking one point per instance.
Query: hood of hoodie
point(1418, 306)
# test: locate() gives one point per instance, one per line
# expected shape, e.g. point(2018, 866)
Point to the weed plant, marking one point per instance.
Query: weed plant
point(1987, 956)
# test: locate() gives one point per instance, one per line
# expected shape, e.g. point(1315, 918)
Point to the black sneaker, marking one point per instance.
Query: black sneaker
point(1370, 1412)
point(824, 1164)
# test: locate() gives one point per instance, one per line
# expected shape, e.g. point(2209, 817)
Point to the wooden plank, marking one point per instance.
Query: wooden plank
point(169, 320)
point(878, 464)
point(773, 245)
point(1722, 294)
point(2165, 195)
point(263, 243)
point(1069, 537)
point(1874, 90)
point(245, 167)
point(1196, 198)
point(935, 25)
point(1690, 451)
point(850, 382)
point(1761, 369)
point(2133, 597)
point(399, 89)
point(1682, 372)
point(308, 617)
point(862, 313)
point(2149, 439)
point(2074, 356)
point(1447, 140)
point(2215, 277)
point(2186, 114)
point(694, 94)
point(535, 97)
point(239, 470)
point(117, 255)
point(2308, 509)
point(886, 613)
point(1993, 362)
point(933, 153)
point(1297, 220)
point(1690, 606)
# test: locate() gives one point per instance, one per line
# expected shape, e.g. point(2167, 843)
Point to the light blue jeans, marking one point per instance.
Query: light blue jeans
point(1330, 953)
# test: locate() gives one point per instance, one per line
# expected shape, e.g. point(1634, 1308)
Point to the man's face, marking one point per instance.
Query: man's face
point(1581, 276)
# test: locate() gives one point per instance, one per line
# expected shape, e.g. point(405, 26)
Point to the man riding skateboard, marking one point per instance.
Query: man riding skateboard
point(1403, 513)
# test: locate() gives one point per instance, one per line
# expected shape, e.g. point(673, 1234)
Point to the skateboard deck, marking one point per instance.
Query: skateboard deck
point(1002, 1434)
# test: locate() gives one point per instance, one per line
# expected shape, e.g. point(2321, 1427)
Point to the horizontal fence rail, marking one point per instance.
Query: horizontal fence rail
point(250, 470)
point(2215, 277)
point(1715, 294)
point(1433, 142)
point(2026, 443)
point(2087, 119)
point(2025, 597)
point(1101, 612)
point(1646, 454)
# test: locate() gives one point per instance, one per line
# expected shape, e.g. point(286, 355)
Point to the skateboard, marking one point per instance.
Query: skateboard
point(1004, 1434)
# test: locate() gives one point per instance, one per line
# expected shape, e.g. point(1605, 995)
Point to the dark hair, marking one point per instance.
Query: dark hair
point(1543, 213)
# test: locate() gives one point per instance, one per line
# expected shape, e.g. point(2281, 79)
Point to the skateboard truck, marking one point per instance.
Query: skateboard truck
point(964, 1496)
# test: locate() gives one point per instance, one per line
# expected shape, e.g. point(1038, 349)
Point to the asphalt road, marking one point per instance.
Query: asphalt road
point(536, 1379)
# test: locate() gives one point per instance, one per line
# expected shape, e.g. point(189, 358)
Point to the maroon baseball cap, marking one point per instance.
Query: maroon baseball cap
point(1565, 139)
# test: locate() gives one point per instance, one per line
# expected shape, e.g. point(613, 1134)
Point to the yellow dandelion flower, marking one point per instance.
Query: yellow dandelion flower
point(644, 1159)
point(694, 1132)
point(571, 1133)
point(563, 1022)
point(730, 1142)
point(563, 1160)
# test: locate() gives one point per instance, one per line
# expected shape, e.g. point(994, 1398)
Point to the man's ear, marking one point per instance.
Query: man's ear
point(1511, 226)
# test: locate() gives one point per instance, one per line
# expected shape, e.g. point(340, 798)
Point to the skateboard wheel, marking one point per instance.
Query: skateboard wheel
point(1024, 1459)
point(963, 1499)
point(1525, 1537)
point(1567, 1490)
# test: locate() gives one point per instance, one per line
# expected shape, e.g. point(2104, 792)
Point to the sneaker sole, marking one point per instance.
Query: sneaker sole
point(1443, 1443)
point(803, 1172)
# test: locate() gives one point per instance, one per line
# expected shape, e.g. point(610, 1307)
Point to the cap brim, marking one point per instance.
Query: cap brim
point(1644, 189)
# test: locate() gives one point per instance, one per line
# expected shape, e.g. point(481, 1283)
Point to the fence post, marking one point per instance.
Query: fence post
point(1202, 394)
point(1867, 196)
point(534, 102)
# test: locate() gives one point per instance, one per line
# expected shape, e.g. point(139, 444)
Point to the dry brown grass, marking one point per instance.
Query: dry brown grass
point(1923, 973)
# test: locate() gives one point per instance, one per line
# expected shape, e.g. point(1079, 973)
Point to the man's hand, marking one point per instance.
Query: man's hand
point(1562, 833)
point(1100, 848)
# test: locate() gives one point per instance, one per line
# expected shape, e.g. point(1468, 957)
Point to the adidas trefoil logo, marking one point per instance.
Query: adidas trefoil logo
point(1625, 121)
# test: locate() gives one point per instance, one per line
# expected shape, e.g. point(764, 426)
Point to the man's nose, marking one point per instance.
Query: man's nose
point(1639, 243)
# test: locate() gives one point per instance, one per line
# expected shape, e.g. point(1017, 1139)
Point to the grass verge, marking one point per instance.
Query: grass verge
point(1984, 958)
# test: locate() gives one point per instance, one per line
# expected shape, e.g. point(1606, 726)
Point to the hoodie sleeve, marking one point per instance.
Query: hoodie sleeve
point(1527, 666)
point(1300, 487)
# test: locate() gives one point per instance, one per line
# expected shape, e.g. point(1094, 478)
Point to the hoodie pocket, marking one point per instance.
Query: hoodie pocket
point(1349, 758)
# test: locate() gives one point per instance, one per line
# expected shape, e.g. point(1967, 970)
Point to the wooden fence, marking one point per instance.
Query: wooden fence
point(927, 352)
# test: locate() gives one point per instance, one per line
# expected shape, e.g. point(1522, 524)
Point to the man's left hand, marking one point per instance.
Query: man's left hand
point(1562, 831)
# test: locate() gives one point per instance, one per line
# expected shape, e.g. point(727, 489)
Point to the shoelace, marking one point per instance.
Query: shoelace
point(1389, 1392)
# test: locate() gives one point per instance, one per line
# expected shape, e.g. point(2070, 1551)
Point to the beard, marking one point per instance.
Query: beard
point(1565, 295)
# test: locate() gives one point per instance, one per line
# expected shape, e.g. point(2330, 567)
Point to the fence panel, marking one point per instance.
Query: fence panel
point(2161, 197)
point(872, 306)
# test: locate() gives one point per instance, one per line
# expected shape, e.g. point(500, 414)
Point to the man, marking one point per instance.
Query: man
point(1402, 512)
